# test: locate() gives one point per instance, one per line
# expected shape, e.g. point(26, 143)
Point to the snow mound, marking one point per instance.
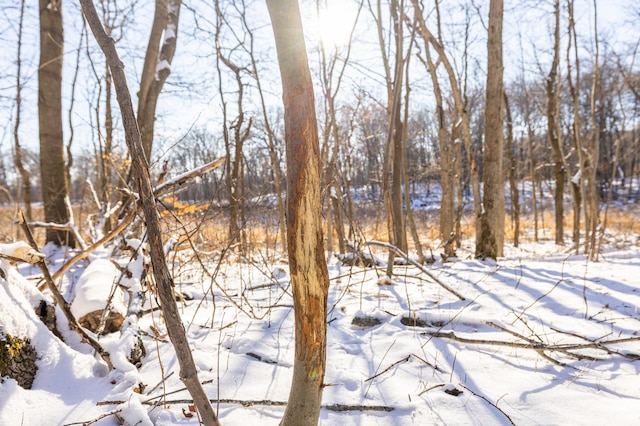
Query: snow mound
point(65, 378)
point(93, 291)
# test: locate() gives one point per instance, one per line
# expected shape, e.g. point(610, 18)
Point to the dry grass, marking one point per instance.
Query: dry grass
point(622, 221)
point(10, 229)
point(208, 229)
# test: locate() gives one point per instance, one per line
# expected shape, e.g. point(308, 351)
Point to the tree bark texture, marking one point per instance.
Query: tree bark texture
point(164, 281)
point(490, 240)
point(55, 186)
point(307, 263)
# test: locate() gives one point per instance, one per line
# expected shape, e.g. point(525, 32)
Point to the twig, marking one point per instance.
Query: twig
point(383, 357)
point(417, 265)
point(405, 359)
point(160, 382)
point(435, 367)
point(490, 403)
point(97, 419)
point(545, 294)
point(64, 305)
point(146, 401)
point(431, 388)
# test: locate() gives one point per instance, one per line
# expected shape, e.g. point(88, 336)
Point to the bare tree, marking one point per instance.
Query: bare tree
point(393, 162)
point(447, 155)
point(513, 166)
point(490, 239)
point(462, 124)
point(577, 182)
point(54, 181)
point(411, 223)
point(235, 134)
point(593, 158)
point(140, 165)
point(553, 128)
point(307, 263)
point(271, 142)
point(331, 77)
point(157, 66)
point(25, 176)
point(395, 135)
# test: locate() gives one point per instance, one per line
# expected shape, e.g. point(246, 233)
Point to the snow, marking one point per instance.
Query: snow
point(67, 383)
point(95, 287)
point(415, 349)
point(576, 178)
point(21, 250)
point(169, 32)
point(162, 65)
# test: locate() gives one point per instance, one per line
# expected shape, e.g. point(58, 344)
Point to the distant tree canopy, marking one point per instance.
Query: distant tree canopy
point(401, 110)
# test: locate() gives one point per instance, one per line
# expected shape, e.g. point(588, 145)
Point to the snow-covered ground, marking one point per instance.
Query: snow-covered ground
point(542, 337)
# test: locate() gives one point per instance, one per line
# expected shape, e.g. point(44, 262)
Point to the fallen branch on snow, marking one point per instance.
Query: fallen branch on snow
point(417, 265)
point(541, 346)
point(490, 403)
point(266, 402)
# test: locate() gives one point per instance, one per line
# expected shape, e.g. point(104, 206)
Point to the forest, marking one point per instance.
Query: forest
point(329, 212)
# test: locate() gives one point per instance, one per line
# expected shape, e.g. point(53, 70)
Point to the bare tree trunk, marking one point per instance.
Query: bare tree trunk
point(553, 129)
point(490, 240)
point(157, 67)
point(396, 133)
point(594, 152)
point(411, 223)
point(393, 161)
point(447, 213)
point(577, 182)
point(460, 105)
point(330, 133)
point(273, 154)
point(236, 176)
point(513, 167)
point(164, 281)
point(55, 186)
point(25, 176)
point(532, 164)
point(307, 263)
point(614, 167)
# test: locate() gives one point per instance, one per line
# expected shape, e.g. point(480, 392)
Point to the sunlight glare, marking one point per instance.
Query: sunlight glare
point(334, 24)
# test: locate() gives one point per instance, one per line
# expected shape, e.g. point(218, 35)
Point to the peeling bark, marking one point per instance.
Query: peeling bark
point(305, 241)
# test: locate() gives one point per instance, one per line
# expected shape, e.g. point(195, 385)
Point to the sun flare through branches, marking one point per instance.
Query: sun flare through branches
point(333, 23)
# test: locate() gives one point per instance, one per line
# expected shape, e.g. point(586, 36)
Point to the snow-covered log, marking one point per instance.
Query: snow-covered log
point(27, 345)
point(96, 291)
point(21, 251)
